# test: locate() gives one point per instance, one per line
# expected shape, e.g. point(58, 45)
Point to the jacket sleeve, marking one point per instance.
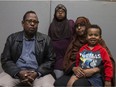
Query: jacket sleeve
point(49, 56)
point(7, 62)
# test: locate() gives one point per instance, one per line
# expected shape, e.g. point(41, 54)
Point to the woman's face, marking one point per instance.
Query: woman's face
point(60, 14)
point(80, 30)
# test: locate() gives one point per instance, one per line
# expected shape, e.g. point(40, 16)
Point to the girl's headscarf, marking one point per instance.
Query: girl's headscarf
point(60, 6)
point(59, 29)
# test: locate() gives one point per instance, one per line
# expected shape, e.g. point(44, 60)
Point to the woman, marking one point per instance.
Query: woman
point(78, 41)
point(60, 31)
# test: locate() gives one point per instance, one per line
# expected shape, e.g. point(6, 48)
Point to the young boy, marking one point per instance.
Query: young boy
point(93, 55)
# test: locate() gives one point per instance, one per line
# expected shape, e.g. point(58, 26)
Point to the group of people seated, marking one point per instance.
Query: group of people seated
point(72, 54)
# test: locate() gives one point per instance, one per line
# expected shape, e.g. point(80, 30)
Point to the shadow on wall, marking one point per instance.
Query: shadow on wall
point(0, 68)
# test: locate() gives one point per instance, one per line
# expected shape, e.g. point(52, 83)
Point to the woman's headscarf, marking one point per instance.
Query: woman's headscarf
point(59, 29)
point(60, 6)
point(76, 43)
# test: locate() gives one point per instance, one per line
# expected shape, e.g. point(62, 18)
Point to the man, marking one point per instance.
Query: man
point(27, 56)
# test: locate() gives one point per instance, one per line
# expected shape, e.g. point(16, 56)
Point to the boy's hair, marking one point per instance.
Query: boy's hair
point(96, 27)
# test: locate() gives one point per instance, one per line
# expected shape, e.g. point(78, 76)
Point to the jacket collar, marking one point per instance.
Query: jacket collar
point(39, 36)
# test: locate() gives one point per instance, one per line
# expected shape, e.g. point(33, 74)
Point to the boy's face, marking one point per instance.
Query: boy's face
point(93, 36)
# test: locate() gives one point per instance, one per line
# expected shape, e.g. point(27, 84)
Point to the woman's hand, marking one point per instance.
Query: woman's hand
point(78, 71)
point(91, 71)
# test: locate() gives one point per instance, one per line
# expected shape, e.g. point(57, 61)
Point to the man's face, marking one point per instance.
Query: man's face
point(30, 24)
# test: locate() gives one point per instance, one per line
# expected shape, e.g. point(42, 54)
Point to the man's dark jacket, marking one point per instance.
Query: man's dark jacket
point(13, 48)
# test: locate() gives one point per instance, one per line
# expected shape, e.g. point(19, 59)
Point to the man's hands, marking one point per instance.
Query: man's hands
point(91, 71)
point(107, 84)
point(27, 77)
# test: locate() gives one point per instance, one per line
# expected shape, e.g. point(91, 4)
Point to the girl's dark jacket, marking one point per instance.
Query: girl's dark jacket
point(13, 48)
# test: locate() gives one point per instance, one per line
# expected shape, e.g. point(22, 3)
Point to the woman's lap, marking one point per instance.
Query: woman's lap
point(62, 82)
point(82, 82)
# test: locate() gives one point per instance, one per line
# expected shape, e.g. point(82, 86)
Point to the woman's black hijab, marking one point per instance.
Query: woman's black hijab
point(59, 29)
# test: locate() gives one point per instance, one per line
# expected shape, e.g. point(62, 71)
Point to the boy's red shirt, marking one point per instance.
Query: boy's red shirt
point(98, 54)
